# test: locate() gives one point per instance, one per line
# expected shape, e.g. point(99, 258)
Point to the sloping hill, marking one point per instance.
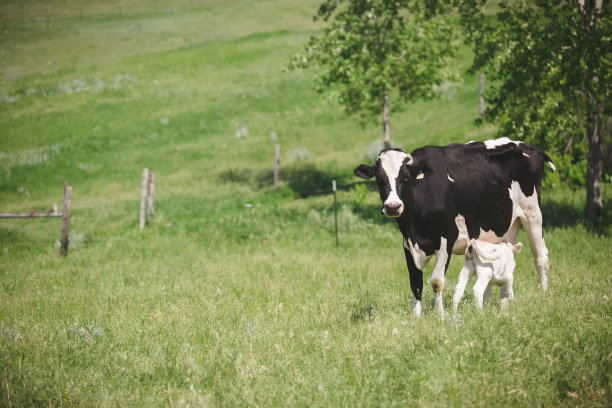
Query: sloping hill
point(219, 303)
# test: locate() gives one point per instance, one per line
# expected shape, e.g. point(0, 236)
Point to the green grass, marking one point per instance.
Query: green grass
point(218, 304)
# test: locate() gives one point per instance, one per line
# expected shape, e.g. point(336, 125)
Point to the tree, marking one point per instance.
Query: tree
point(551, 63)
point(377, 49)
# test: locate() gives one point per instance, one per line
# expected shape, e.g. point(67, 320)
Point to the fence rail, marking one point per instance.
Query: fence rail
point(52, 213)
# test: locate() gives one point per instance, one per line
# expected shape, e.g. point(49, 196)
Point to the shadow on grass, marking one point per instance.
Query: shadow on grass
point(561, 208)
point(363, 308)
point(303, 180)
point(558, 214)
point(567, 209)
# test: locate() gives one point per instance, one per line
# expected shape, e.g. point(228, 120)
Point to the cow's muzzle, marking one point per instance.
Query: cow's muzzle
point(393, 209)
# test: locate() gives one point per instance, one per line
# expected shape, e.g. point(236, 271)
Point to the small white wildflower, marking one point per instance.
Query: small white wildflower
point(300, 153)
point(242, 133)
point(164, 121)
point(9, 99)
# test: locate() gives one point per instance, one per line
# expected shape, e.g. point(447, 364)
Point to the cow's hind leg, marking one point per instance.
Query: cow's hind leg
point(532, 222)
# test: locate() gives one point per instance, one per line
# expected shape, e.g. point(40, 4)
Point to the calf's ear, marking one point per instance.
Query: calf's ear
point(516, 247)
point(364, 171)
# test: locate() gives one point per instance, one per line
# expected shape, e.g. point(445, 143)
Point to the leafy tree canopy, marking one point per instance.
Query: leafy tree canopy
point(374, 47)
point(551, 66)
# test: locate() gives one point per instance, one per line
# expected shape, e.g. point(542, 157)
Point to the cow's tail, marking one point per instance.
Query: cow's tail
point(549, 161)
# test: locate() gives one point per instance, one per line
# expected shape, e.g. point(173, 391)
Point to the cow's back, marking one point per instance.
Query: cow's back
point(472, 184)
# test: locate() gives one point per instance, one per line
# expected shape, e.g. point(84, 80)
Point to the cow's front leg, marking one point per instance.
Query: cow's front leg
point(438, 274)
point(416, 277)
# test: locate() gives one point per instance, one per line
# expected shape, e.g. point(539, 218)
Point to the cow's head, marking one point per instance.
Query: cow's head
point(392, 171)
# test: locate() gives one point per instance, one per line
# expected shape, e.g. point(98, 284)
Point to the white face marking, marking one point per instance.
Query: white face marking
point(393, 197)
point(492, 144)
point(420, 258)
point(391, 162)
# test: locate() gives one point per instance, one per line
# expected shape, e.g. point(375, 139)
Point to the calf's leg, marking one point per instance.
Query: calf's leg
point(483, 276)
point(464, 276)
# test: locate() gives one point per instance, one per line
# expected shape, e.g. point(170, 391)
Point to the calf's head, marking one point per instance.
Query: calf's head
point(392, 171)
point(488, 252)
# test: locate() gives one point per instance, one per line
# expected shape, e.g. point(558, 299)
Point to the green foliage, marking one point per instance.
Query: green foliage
point(359, 192)
point(545, 70)
point(382, 45)
point(570, 171)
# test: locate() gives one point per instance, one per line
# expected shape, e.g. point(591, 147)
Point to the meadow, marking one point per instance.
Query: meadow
point(219, 303)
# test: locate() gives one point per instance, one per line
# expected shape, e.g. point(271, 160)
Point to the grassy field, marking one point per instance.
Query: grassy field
point(220, 304)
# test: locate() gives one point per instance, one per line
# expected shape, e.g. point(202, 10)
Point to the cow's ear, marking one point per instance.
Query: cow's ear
point(409, 160)
point(364, 171)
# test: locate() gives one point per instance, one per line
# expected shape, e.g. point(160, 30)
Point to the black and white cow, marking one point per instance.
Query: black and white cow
point(443, 196)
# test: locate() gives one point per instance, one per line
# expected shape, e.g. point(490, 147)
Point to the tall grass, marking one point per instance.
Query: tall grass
point(218, 303)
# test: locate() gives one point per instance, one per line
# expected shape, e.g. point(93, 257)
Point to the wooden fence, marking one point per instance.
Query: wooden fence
point(52, 213)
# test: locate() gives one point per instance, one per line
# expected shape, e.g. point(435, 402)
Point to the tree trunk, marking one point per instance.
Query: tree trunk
point(590, 14)
point(594, 202)
point(386, 128)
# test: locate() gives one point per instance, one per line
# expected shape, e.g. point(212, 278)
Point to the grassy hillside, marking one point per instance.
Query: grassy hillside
point(217, 303)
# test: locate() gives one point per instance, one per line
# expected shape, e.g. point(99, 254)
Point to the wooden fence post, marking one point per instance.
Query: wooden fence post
point(276, 165)
point(66, 219)
point(143, 196)
point(150, 209)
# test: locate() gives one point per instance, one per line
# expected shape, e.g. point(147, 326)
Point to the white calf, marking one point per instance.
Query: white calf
point(493, 264)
